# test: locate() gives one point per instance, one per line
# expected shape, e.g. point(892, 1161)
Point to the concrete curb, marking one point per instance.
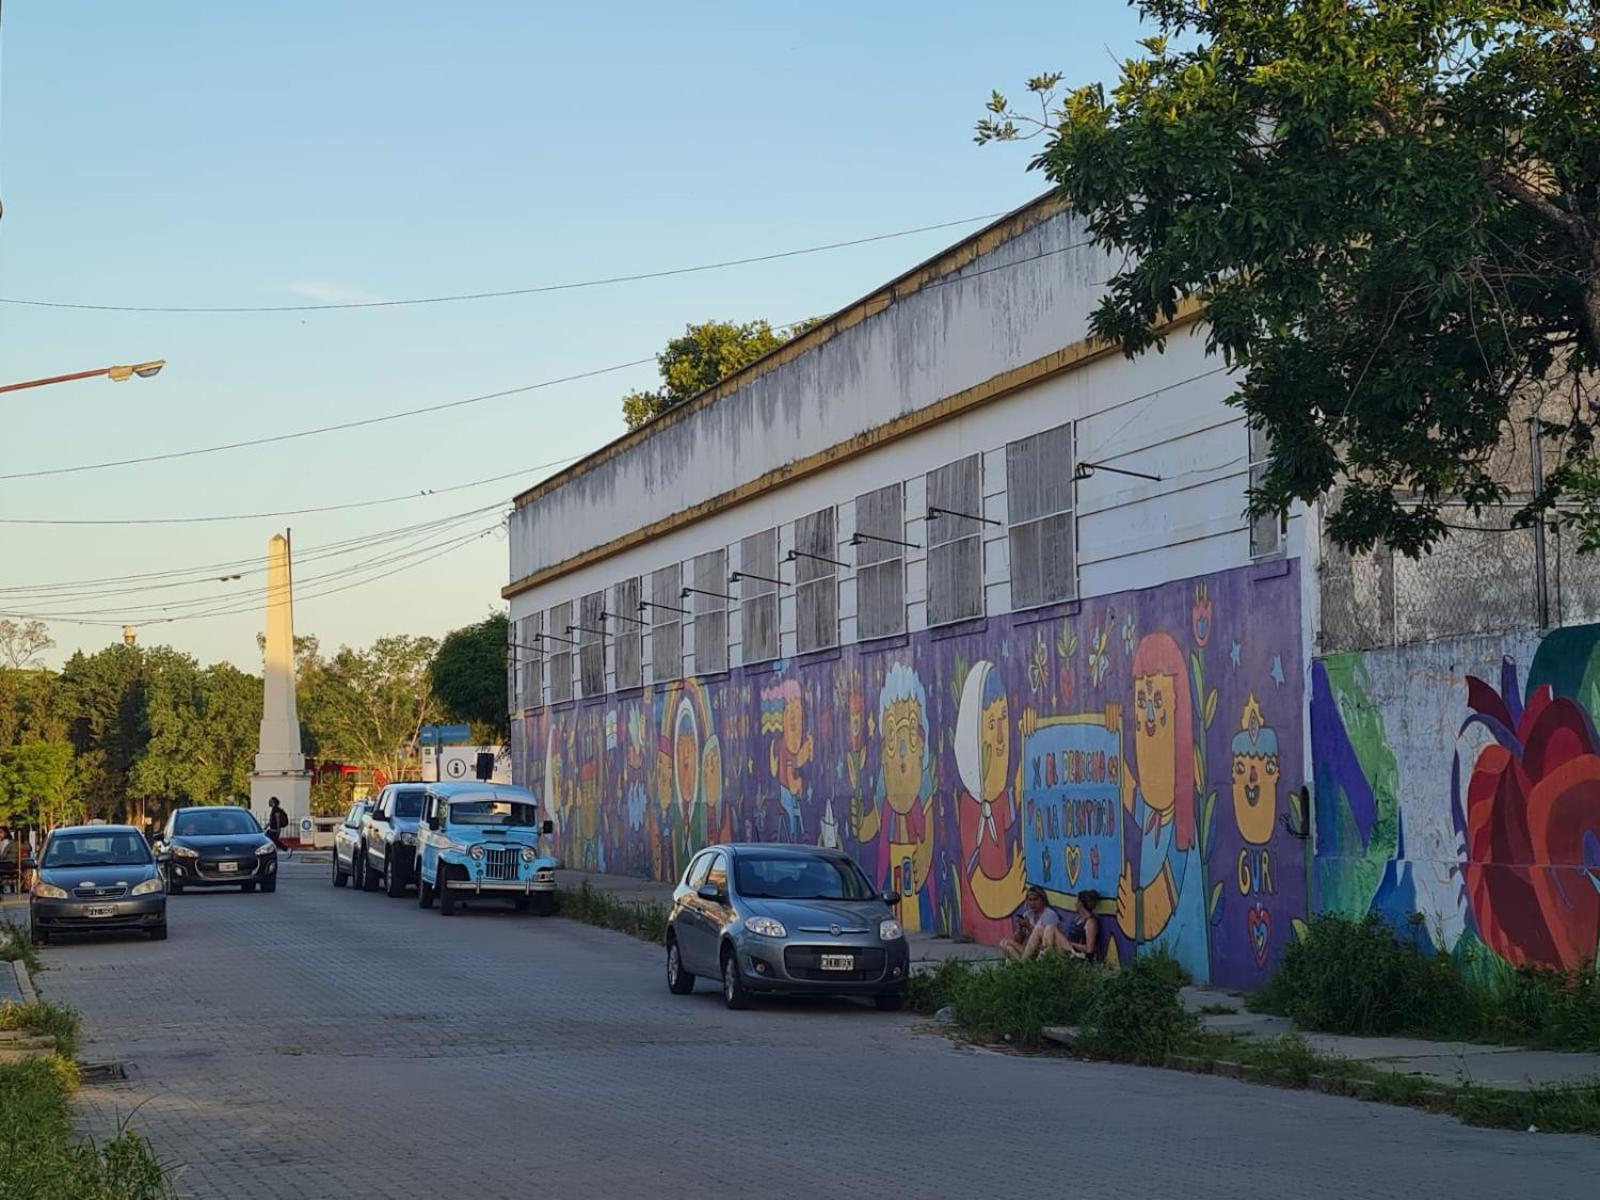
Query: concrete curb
point(24, 983)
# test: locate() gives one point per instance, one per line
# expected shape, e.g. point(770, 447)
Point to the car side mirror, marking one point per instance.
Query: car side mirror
point(891, 898)
point(549, 826)
point(433, 822)
point(710, 891)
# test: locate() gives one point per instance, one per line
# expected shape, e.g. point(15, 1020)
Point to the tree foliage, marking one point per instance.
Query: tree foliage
point(365, 707)
point(699, 358)
point(468, 676)
point(1390, 210)
point(39, 784)
point(23, 643)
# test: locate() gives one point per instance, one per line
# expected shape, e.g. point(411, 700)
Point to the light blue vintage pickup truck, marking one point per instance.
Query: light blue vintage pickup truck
point(483, 840)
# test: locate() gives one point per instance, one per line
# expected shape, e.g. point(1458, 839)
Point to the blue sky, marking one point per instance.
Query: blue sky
point(173, 153)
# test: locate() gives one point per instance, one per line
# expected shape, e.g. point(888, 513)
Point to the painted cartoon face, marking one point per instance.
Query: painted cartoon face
point(793, 724)
point(858, 723)
point(711, 773)
point(994, 731)
point(902, 754)
point(1154, 739)
point(664, 781)
point(1255, 795)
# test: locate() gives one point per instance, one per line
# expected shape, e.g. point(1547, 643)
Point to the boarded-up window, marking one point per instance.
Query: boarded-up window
point(592, 644)
point(955, 541)
point(666, 630)
point(527, 658)
point(710, 612)
point(758, 609)
point(1266, 531)
point(881, 562)
point(626, 633)
point(1044, 561)
point(816, 581)
point(561, 657)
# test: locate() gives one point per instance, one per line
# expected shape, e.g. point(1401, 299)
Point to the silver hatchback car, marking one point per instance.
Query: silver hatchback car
point(784, 919)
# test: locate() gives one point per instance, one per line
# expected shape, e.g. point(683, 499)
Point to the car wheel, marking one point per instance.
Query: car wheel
point(520, 903)
point(158, 934)
point(247, 887)
point(447, 898)
point(544, 904)
point(357, 876)
point(369, 877)
point(890, 1001)
point(38, 936)
point(394, 883)
point(270, 885)
point(424, 892)
point(734, 994)
point(679, 981)
point(340, 878)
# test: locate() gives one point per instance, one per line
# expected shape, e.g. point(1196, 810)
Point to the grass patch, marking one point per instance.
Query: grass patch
point(1358, 977)
point(42, 1160)
point(17, 946)
point(637, 918)
point(46, 1020)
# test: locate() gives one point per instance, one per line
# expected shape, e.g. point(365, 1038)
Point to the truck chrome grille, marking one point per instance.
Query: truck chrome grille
point(500, 864)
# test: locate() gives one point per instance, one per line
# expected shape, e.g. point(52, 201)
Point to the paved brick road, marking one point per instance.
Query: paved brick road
point(334, 1043)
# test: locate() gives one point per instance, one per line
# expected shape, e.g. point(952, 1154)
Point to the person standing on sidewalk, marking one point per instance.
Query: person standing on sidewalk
point(277, 822)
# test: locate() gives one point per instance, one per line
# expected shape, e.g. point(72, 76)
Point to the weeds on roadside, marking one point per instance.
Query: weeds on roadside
point(17, 946)
point(1352, 977)
point(46, 1020)
point(638, 918)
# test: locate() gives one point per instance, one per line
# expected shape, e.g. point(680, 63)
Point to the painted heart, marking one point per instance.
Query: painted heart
point(1074, 864)
point(1259, 922)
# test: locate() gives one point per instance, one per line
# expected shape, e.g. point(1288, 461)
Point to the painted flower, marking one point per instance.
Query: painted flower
point(1200, 614)
point(1532, 825)
point(1099, 663)
point(1129, 636)
point(1039, 666)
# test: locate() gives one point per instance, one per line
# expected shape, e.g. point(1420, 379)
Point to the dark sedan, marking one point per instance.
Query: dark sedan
point(96, 879)
point(217, 846)
point(789, 919)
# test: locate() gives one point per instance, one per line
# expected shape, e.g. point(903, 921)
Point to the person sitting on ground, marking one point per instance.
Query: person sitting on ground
point(1038, 928)
point(1082, 937)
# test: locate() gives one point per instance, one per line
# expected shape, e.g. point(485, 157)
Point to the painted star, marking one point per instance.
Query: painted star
point(1234, 652)
point(1277, 669)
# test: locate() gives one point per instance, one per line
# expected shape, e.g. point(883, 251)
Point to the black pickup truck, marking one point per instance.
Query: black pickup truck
point(387, 856)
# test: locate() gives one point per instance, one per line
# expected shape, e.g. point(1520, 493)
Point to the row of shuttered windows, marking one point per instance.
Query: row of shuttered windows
point(1042, 535)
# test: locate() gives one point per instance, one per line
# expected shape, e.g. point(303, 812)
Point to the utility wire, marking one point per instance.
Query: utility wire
point(291, 512)
point(495, 295)
point(961, 277)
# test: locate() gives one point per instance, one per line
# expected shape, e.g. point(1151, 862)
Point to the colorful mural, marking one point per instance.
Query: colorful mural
point(1453, 786)
point(1141, 745)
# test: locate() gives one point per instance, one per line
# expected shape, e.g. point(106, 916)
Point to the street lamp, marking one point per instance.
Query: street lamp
point(117, 374)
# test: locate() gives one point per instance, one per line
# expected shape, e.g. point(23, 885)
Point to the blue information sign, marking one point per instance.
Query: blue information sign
point(443, 735)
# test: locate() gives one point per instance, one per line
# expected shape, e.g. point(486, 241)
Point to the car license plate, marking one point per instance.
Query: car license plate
point(226, 867)
point(100, 910)
point(838, 962)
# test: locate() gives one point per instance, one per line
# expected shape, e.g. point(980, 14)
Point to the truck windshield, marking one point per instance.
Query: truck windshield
point(491, 812)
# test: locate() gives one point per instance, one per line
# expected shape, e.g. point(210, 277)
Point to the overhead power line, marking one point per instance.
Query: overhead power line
point(535, 290)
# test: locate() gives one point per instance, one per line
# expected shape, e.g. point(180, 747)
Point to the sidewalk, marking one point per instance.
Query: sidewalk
point(927, 951)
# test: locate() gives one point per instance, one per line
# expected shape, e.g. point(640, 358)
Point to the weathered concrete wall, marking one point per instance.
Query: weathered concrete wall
point(1145, 744)
point(1460, 780)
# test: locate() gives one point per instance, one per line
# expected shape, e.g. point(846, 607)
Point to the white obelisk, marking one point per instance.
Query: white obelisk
point(280, 766)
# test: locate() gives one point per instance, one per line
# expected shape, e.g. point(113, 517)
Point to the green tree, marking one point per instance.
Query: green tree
point(1390, 210)
point(201, 731)
point(104, 692)
point(698, 359)
point(468, 676)
point(365, 707)
point(39, 784)
point(22, 643)
point(32, 707)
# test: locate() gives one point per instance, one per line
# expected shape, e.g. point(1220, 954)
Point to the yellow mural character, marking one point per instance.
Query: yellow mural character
point(1255, 775)
point(993, 872)
point(900, 822)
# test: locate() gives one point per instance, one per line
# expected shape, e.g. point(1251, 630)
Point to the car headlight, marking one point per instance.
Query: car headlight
point(889, 929)
point(48, 891)
point(528, 854)
point(476, 852)
point(186, 852)
point(266, 848)
point(148, 887)
point(765, 926)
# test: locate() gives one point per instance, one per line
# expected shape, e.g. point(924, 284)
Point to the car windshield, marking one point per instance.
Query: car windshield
point(792, 877)
point(217, 822)
point(408, 805)
point(120, 849)
point(491, 812)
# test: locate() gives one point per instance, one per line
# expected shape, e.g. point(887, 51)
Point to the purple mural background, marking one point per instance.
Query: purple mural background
point(1147, 744)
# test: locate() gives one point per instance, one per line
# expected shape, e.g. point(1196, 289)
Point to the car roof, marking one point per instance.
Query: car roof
point(96, 829)
point(780, 850)
point(473, 789)
point(211, 808)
